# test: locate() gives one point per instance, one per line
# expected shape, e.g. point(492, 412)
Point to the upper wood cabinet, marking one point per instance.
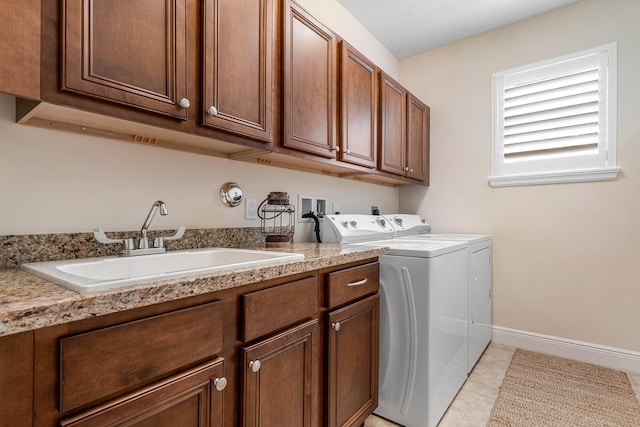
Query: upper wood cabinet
point(309, 83)
point(393, 126)
point(417, 140)
point(20, 47)
point(130, 52)
point(358, 107)
point(238, 75)
point(404, 132)
point(263, 74)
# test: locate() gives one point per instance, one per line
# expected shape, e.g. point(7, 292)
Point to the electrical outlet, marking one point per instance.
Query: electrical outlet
point(251, 209)
point(305, 205)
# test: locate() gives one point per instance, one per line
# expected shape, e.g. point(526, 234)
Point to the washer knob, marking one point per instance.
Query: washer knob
point(381, 222)
point(354, 224)
point(344, 223)
point(398, 220)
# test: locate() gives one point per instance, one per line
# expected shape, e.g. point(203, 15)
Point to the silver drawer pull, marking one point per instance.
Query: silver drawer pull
point(358, 283)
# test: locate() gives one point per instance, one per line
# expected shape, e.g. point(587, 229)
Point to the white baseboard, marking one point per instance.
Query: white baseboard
point(611, 357)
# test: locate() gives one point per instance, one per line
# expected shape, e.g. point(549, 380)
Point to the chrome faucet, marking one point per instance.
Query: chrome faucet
point(143, 245)
point(158, 204)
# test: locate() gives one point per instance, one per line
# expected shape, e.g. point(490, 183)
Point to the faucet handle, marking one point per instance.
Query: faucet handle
point(179, 233)
point(99, 235)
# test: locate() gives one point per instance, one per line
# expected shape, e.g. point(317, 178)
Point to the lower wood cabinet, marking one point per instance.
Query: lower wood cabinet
point(352, 363)
point(189, 399)
point(16, 380)
point(279, 375)
point(299, 351)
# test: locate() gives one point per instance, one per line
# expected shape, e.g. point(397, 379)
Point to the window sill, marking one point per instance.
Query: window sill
point(606, 174)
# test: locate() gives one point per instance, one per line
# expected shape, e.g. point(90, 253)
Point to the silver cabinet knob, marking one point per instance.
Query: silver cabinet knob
point(411, 170)
point(255, 365)
point(212, 111)
point(184, 103)
point(220, 383)
point(336, 326)
point(406, 168)
point(348, 151)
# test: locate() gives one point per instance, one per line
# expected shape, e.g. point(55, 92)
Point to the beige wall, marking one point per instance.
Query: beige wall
point(567, 257)
point(62, 182)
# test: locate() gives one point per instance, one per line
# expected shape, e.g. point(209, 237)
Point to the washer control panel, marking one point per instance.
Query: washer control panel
point(355, 228)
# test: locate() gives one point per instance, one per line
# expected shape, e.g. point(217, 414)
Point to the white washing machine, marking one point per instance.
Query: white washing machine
point(412, 227)
point(423, 318)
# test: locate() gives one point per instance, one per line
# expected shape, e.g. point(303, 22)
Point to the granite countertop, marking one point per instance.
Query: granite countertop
point(28, 302)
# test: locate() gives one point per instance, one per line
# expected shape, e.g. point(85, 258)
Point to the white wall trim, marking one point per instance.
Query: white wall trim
point(611, 357)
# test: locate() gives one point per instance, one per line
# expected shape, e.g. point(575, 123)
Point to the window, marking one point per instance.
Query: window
point(555, 121)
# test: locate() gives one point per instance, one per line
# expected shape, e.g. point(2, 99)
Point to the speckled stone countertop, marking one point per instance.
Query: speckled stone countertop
point(28, 302)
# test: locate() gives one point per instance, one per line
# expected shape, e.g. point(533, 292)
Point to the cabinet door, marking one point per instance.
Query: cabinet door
point(352, 365)
point(393, 131)
point(20, 47)
point(189, 399)
point(280, 372)
point(309, 83)
point(238, 66)
point(417, 139)
point(131, 52)
point(16, 380)
point(358, 107)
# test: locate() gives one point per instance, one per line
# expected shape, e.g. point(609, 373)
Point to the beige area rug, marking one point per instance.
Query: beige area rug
point(542, 390)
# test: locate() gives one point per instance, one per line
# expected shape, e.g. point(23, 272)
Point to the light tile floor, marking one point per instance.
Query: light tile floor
point(472, 406)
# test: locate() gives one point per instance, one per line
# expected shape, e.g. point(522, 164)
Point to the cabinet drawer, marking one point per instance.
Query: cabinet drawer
point(271, 309)
point(117, 359)
point(352, 283)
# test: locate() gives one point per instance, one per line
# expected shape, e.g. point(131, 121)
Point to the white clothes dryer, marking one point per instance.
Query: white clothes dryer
point(412, 227)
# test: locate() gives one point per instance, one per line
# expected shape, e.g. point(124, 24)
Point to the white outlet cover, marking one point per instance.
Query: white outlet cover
point(251, 209)
point(305, 204)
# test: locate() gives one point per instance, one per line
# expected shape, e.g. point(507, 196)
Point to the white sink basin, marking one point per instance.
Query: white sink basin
point(95, 274)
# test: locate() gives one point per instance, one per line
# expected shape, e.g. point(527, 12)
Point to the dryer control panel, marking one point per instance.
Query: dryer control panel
point(408, 225)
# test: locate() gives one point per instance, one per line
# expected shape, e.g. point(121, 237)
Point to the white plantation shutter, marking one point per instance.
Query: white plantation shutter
point(555, 121)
